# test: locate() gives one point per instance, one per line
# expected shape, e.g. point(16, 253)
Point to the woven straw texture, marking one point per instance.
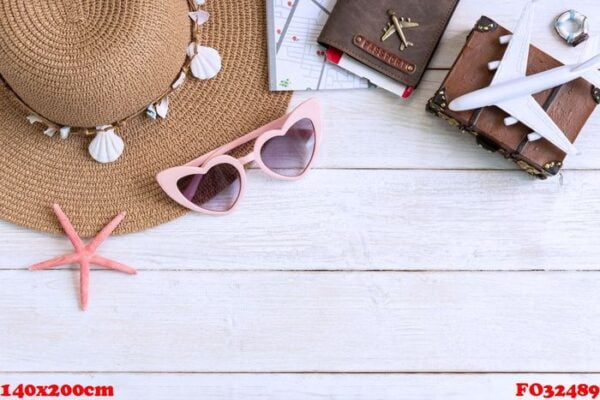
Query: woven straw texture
point(37, 171)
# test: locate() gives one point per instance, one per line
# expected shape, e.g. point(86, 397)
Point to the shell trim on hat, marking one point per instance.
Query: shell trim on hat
point(203, 62)
point(37, 171)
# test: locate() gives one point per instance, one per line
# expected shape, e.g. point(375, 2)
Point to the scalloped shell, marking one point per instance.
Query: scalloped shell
point(50, 131)
point(106, 147)
point(206, 61)
point(151, 111)
point(65, 131)
point(32, 119)
point(162, 107)
point(199, 17)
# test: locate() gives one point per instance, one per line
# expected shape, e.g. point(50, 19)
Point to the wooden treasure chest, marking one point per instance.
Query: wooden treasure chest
point(569, 105)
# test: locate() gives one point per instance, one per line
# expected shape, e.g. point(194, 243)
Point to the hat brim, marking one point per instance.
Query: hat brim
point(37, 171)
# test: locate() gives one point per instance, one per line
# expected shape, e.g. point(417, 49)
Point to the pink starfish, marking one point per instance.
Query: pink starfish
point(85, 255)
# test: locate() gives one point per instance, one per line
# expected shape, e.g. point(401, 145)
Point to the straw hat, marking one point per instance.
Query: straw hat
point(87, 63)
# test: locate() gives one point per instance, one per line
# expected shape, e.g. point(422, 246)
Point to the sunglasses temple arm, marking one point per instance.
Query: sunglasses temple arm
point(238, 142)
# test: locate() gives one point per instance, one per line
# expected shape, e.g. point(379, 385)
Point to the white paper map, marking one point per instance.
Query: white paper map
point(296, 60)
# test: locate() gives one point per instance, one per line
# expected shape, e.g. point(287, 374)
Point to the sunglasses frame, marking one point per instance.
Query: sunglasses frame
point(169, 178)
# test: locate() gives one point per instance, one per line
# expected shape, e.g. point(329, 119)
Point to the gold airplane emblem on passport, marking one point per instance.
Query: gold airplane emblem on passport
point(397, 25)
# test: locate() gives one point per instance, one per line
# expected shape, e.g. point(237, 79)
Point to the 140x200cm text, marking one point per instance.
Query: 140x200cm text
point(27, 391)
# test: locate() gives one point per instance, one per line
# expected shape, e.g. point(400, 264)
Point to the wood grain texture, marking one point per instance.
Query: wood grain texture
point(368, 219)
point(290, 321)
point(305, 386)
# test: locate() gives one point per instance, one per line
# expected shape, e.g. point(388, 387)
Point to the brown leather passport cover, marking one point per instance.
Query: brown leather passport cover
point(356, 27)
point(569, 105)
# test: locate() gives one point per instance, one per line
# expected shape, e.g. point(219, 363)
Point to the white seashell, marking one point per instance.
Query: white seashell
point(65, 131)
point(50, 131)
point(199, 17)
point(179, 81)
point(151, 111)
point(106, 147)
point(34, 118)
point(162, 107)
point(206, 61)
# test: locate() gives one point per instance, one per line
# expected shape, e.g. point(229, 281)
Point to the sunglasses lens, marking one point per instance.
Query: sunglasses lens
point(218, 190)
point(291, 154)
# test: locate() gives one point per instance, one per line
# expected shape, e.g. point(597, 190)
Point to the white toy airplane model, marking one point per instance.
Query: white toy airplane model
point(511, 90)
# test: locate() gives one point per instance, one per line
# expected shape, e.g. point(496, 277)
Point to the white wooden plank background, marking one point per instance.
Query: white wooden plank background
point(372, 219)
point(193, 321)
point(407, 252)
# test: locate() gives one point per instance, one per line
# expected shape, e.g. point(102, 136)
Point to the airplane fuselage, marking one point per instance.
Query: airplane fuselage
point(520, 87)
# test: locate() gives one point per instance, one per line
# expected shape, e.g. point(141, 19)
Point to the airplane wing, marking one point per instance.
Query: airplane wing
point(407, 25)
point(530, 113)
point(516, 56)
point(390, 31)
point(591, 50)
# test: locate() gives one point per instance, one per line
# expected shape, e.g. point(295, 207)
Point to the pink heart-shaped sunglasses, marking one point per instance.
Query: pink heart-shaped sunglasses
point(215, 182)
